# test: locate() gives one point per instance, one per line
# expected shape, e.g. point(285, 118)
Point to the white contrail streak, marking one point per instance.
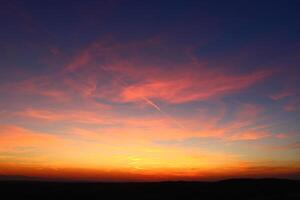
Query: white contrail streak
point(149, 102)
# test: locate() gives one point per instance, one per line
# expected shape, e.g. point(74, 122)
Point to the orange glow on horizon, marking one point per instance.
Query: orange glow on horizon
point(56, 157)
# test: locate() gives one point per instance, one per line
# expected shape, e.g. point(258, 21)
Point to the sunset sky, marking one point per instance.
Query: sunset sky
point(149, 90)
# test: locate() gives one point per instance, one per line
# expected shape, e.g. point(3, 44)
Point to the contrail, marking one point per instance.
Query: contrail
point(149, 102)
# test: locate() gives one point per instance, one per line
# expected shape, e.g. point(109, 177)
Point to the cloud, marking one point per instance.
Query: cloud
point(249, 136)
point(99, 117)
point(245, 124)
point(150, 128)
point(282, 94)
point(102, 153)
point(248, 111)
point(45, 86)
point(189, 87)
point(281, 135)
point(294, 145)
point(134, 76)
point(229, 134)
point(80, 116)
point(291, 106)
point(14, 136)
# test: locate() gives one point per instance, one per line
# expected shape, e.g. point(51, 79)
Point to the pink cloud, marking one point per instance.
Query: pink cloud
point(134, 78)
point(121, 73)
point(189, 87)
point(42, 85)
point(124, 73)
point(281, 135)
point(291, 106)
point(82, 59)
point(282, 94)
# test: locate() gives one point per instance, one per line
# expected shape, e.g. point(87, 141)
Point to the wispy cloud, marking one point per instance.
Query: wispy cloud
point(291, 106)
point(282, 94)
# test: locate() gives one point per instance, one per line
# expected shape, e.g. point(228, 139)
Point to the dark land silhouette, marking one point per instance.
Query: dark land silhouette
point(244, 189)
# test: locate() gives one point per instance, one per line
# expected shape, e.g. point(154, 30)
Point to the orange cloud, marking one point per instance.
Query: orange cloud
point(227, 134)
point(158, 127)
point(244, 126)
point(14, 136)
point(71, 116)
point(294, 145)
point(249, 136)
point(63, 153)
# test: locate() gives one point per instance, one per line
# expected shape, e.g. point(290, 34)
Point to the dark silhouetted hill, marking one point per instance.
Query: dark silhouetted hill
point(243, 189)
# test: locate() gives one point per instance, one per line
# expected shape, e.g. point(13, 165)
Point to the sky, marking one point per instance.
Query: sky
point(149, 90)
